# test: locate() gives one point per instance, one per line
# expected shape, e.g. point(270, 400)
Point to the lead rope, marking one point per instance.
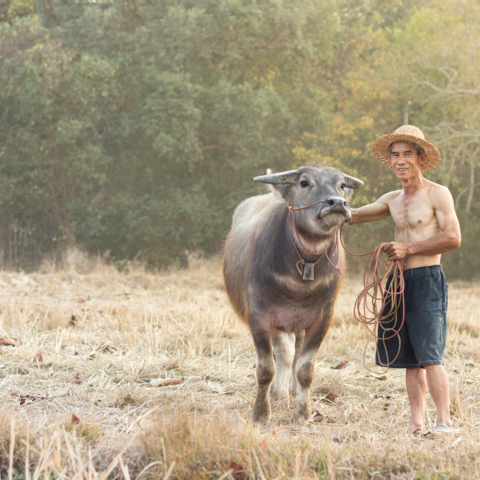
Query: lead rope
point(371, 305)
point(375, 292)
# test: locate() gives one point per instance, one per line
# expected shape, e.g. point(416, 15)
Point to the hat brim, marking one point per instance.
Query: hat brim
point(380, 149)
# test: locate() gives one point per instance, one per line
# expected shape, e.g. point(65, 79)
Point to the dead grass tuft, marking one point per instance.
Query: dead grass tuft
point(192, 445)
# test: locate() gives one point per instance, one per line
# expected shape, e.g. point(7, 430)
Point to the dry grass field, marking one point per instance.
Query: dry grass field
point(77, 401)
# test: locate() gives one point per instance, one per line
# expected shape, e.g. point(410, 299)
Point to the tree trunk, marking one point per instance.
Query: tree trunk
point(472, 182)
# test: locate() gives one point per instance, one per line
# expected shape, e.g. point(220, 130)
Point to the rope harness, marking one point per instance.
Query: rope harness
point(371, 305)
point(309, 268)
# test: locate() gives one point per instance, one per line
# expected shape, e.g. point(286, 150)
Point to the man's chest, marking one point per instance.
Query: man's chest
point(414, 211)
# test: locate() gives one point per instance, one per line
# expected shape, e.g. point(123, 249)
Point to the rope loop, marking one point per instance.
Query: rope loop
point(378, 305)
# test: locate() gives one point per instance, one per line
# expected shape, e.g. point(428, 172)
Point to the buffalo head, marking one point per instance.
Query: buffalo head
point(308, 185)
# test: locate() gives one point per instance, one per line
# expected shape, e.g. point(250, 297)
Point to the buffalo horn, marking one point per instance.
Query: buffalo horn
point(282, 178)
point(352, 182)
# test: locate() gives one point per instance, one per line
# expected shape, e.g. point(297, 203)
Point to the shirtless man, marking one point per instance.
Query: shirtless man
point(426, 226)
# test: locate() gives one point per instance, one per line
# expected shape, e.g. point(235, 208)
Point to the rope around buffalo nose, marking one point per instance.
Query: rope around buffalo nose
point(371, 305)
point(292, 210)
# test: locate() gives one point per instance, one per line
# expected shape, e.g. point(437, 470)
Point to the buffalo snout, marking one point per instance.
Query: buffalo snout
point(335, 201)
point(335, 205)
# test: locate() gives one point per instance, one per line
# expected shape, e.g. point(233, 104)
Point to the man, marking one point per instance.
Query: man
point(426, 226)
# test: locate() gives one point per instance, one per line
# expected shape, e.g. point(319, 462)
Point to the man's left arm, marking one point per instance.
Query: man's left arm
point(447, 239)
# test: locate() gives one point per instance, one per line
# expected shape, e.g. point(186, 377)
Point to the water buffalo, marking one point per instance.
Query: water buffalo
point(276, 283)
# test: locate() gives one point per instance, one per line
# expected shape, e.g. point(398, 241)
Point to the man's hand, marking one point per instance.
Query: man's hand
point(396, 250)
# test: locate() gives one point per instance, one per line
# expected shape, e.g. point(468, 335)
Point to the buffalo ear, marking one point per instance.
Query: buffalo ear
point(282, 178)
point(352, 182)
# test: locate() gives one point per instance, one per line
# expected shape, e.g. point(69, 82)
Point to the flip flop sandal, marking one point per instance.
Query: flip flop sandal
point(440, 428)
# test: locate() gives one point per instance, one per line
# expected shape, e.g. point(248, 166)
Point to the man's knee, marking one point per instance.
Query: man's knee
point(431, 368)
point(415, 372)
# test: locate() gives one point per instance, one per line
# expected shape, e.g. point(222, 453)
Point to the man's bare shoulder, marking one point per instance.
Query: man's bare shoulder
point(434, 186)
point(389, 197)
point(439, 194)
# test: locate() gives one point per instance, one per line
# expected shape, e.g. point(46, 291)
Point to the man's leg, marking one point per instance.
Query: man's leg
point(440, 390)
point(417, 389)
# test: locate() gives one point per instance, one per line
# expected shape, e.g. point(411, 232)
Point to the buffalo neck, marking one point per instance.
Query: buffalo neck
point(277, 252)
point(304, 244)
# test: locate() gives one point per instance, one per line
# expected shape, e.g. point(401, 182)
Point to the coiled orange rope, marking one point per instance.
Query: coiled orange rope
point(371, 305)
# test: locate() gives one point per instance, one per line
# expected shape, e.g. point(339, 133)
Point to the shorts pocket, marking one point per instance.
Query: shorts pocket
point(436, 301)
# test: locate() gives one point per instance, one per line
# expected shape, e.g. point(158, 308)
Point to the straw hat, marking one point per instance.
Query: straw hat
point(406, 133)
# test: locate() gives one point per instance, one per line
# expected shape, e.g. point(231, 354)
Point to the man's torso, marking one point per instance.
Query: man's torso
point(415, 221)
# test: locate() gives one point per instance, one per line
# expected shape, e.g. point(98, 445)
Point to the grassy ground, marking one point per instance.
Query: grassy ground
point(76, 400)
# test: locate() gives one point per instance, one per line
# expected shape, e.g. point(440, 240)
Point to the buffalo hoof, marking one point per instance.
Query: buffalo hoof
point(261, 417)
point(301, 415)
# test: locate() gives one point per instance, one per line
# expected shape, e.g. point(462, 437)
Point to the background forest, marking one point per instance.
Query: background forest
point(134, 128)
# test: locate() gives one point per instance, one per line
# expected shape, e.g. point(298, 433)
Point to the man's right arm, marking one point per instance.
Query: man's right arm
point(371, 213)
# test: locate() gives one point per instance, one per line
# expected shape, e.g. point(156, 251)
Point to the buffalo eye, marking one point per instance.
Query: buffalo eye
point(304, 184)
point(343, 186)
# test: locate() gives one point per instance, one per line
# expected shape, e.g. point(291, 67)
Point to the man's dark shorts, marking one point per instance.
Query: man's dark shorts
point(424, 333)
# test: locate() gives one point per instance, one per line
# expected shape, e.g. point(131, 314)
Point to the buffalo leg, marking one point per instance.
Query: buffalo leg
point(265, 371)
point(284, 352)
point(305, 369)
point(299, 337)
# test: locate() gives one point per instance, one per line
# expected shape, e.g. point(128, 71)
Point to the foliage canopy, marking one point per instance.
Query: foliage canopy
point(135, 127)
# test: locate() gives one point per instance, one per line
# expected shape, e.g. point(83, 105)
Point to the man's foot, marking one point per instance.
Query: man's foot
point(440, 428)
point(415, 429)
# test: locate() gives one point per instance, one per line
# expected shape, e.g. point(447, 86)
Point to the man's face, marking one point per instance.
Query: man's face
point(405, 161)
